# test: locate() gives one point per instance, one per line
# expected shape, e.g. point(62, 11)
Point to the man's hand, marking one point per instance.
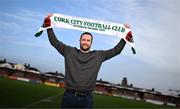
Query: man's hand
point(127, 26)
point(129, 36)
point(47, 21)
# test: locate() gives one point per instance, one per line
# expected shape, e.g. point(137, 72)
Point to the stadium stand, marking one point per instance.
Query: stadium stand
point(33, 75)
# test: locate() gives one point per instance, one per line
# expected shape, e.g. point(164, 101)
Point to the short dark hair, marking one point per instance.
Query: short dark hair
point(88, 34)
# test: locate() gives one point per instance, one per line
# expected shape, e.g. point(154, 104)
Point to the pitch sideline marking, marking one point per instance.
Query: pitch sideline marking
point(42, 100)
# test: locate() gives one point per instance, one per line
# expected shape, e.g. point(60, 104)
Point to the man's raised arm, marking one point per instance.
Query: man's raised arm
point(107, 54)
point(60, 47)
point(118, 48)
point(55, 42)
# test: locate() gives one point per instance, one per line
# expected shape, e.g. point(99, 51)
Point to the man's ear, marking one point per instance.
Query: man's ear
point(91, 42)
point(80, 39)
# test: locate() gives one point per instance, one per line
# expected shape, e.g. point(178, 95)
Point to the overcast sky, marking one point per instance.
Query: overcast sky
point(155, 26)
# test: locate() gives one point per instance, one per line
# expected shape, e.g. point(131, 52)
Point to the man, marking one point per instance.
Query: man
point(81, 67)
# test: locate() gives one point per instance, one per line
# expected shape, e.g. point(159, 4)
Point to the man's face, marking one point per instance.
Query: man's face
point(85, 42)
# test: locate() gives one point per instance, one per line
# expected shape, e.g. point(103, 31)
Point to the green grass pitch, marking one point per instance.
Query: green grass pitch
point(19, 94)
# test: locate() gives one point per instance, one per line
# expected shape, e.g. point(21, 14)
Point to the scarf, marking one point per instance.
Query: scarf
point(89, 25)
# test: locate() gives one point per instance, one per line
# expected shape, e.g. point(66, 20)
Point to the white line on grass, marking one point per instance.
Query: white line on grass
point(48, 99)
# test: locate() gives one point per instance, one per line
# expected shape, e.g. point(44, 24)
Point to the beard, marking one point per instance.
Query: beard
point(85, 49)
